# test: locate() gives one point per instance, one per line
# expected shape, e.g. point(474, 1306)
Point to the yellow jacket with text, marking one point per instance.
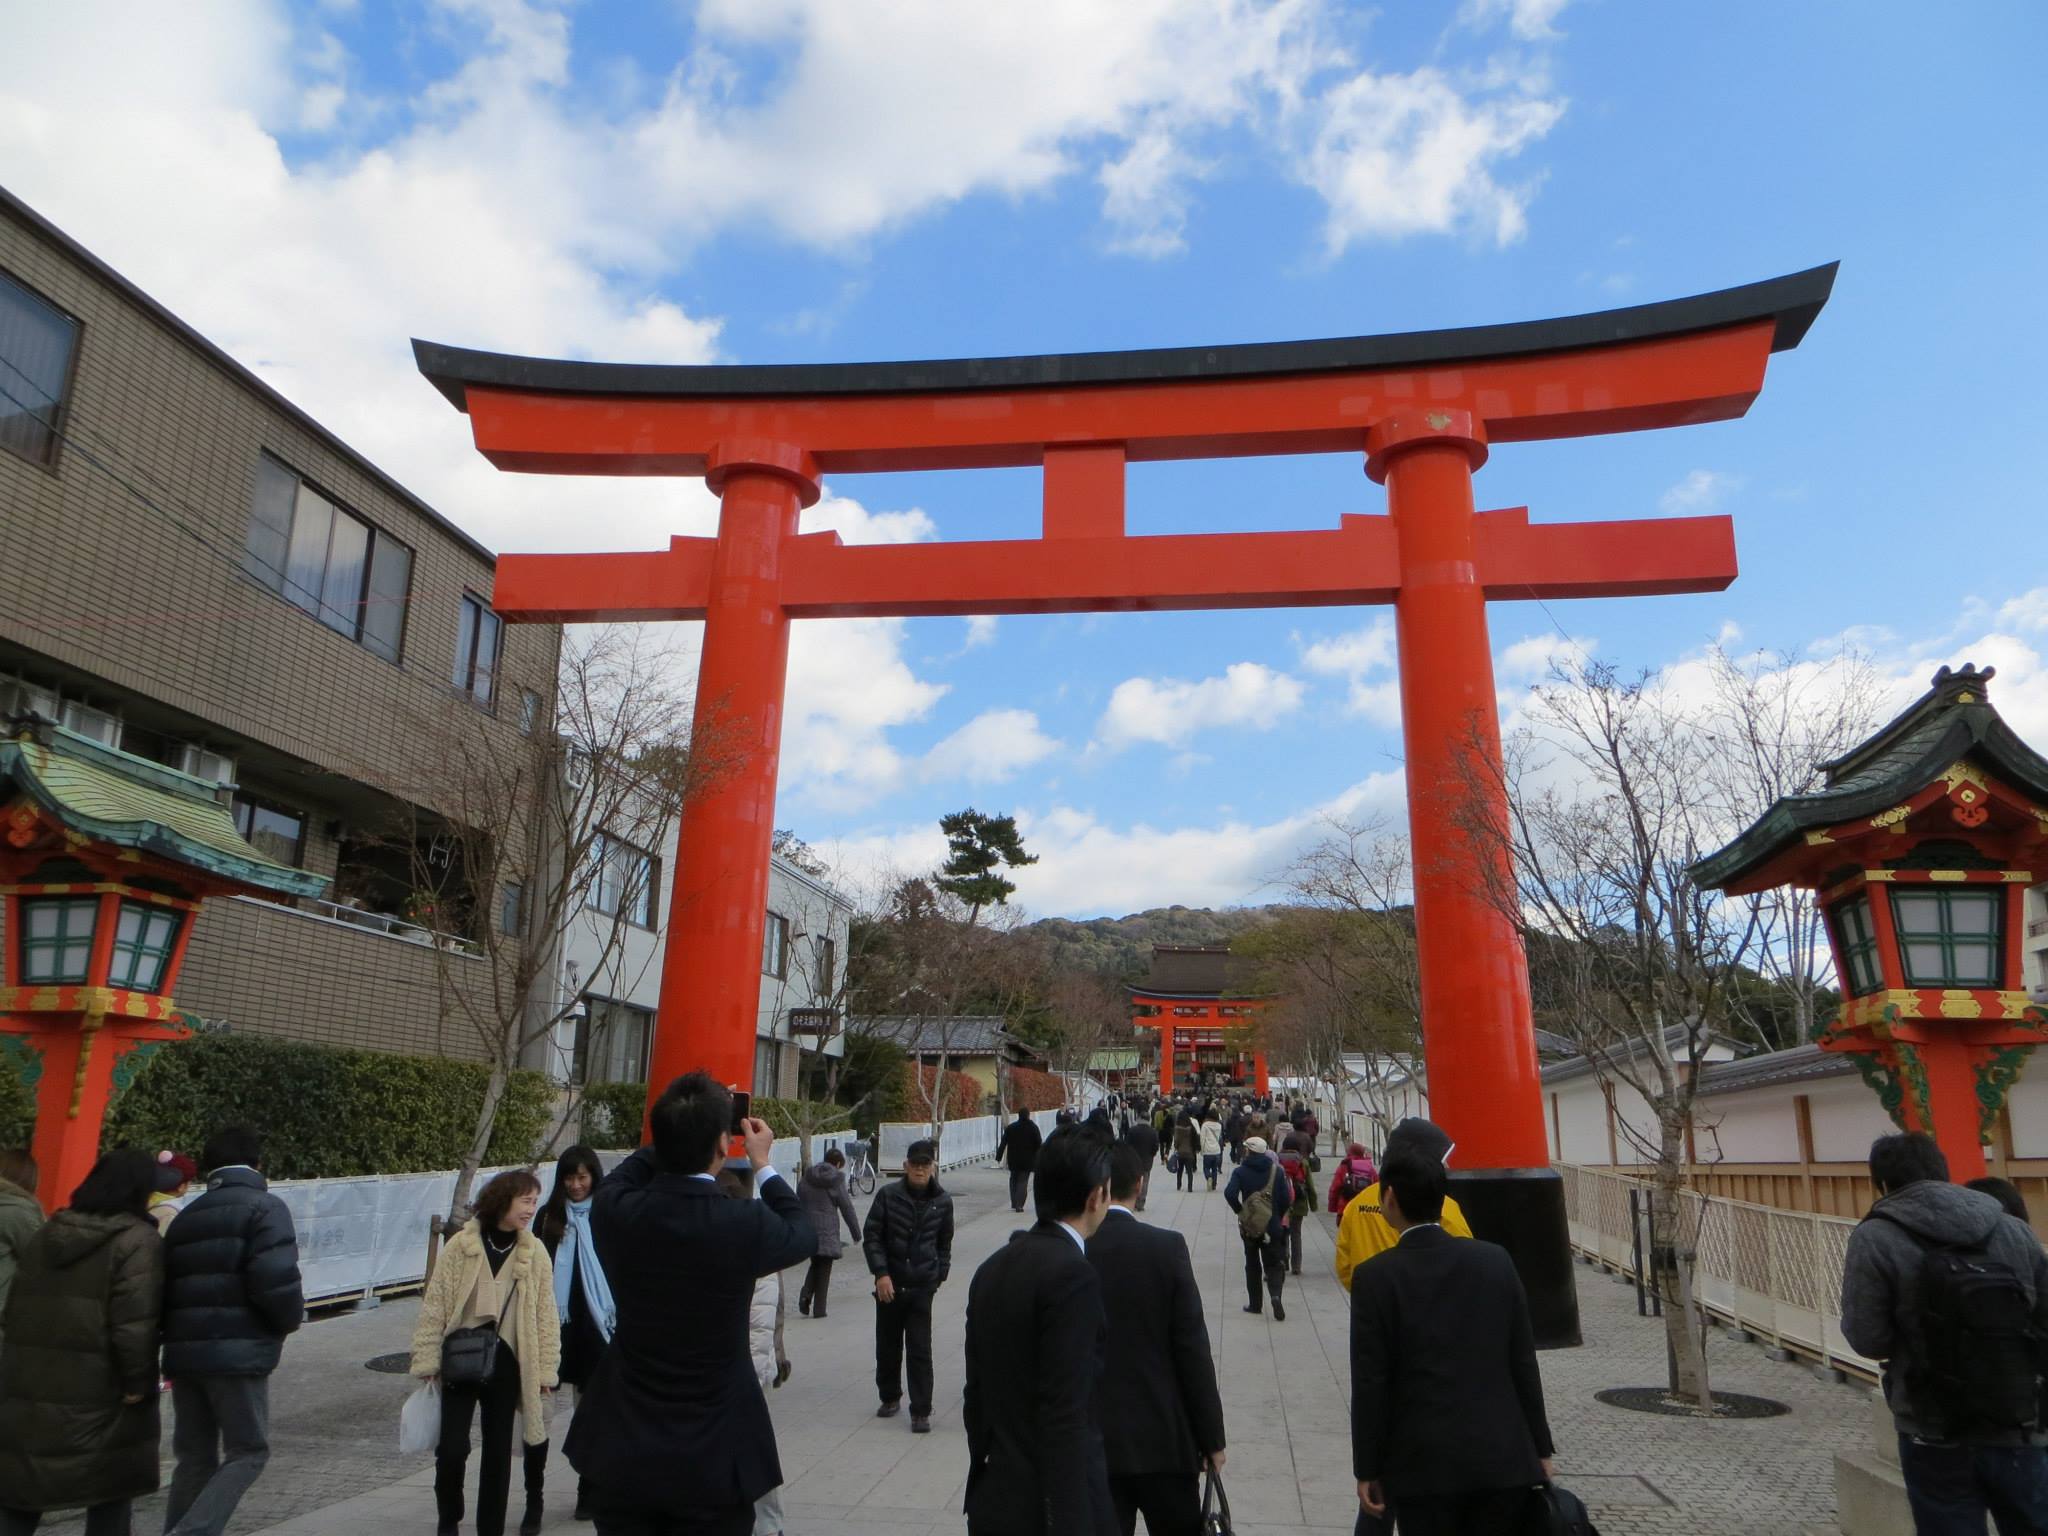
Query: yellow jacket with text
point(1362, 1232)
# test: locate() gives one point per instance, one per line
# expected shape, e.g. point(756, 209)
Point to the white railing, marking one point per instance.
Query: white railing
point(1776, 1273)
point(964, 1141)
point(380, 923)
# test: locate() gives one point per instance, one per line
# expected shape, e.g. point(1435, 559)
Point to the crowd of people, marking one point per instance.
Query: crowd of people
point(1089, 1398)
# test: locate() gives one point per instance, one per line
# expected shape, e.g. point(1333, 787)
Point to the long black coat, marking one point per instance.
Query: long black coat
point(909, 1237)
point(1445, 1394)
point(1035, 1328)
point(231, 1280)
point(673, 1419)
point(1160, 1408)
point(1021, 1141)
point(81, 1335)
point(1143, 1140)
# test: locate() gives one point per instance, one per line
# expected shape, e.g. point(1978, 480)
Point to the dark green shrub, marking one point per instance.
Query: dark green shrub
point(17, 1108)
point(325, 1112)
point(612, 1113)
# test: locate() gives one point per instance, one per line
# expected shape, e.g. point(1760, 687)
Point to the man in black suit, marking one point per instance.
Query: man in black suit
point(1019, 1146)
point(672, 1430)
point(1034, 1356)
point(1162, 1417)
point(1447, 1416)
point(1144, 1141)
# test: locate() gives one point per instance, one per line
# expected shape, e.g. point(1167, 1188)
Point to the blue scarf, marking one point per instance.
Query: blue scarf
point(576, 1255)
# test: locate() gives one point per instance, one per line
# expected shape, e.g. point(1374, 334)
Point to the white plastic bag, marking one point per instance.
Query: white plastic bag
point(419, 1421)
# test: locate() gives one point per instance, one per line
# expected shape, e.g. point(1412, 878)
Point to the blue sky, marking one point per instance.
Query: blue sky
point(783, 180)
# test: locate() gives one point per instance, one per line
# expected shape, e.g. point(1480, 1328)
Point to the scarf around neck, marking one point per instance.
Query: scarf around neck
point(576, 1255)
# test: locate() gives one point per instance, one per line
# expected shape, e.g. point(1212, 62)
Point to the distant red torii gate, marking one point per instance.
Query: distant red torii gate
point(1422, 407)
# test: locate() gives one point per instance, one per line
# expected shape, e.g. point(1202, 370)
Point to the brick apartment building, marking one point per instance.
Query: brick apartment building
point(196, 572)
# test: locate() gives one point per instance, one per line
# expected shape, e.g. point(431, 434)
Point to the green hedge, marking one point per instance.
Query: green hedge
point(325, 1112)
point(612, 1113)
point(17, 1109)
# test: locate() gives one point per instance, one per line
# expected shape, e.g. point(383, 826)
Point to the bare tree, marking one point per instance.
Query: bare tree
point(1772, 721)
point(515, 847)
point(1084, 1013)
point(1606, 811)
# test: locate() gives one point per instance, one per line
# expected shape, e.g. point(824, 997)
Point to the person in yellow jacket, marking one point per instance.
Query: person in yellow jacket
point(1362, 1232)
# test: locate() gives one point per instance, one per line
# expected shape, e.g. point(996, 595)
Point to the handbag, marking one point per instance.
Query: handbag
point(1559, 1512)
point(469, 1356)
point(1215, 1506)
point(1173, 1164)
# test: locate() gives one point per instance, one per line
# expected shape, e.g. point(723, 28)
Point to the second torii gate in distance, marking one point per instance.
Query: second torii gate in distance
point(1421, 408)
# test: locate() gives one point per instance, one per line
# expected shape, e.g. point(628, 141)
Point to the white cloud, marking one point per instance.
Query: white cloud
point(1357, 656)
point(855, 524)
point(1396, 155)
point(1532, 21)
point(981, 630)
point(1700, 491)
point(1171, 712)
point(990, 749)
point(1530, 660)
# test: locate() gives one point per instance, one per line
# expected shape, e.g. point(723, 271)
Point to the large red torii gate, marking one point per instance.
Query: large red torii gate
point(1421, 407)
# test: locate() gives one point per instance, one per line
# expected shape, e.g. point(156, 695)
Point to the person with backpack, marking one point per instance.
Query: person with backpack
point(1294, 1156)
point(1354, 1176)
point(1260, 1194)
point(1363, 1231)
point(1187, 1145)
point(1951, 1294)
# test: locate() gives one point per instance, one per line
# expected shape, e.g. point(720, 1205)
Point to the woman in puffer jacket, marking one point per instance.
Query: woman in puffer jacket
point(78, 1385)
point(494, 1272)
point(825, 1200)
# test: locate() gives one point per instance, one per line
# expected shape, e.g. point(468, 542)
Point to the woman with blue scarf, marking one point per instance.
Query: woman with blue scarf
point(583, 1299)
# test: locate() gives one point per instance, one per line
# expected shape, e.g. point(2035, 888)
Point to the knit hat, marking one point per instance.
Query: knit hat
point(172, 1170)
point(1255, 1143)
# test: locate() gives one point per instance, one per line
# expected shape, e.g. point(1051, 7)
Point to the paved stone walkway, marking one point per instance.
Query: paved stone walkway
point(335, 1473)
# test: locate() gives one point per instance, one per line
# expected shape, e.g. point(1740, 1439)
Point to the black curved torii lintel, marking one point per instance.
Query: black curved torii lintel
point(1791, 302)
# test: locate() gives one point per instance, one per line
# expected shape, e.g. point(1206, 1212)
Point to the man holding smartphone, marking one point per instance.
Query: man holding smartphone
point(908, 1242)
point(677, 1390)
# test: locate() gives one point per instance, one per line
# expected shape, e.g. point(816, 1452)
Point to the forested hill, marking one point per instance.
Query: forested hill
point(1122, 946)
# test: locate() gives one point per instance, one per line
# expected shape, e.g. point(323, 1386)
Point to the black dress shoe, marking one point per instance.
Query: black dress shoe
point(920, 1425)
point(1255, 1311)
point(890, 1409)
point(803, 1303)
point(1279, 1312)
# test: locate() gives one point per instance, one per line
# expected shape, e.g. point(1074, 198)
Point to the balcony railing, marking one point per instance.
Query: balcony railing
point(380, 923)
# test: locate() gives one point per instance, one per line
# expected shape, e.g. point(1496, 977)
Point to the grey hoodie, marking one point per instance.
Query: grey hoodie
point(1881, 1274)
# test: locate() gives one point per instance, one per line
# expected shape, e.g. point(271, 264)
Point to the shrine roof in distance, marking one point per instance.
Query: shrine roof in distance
point(1195, 971)
point(1790, 302)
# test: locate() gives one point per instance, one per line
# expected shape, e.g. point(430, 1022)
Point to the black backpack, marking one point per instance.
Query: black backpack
point(1973, 1362)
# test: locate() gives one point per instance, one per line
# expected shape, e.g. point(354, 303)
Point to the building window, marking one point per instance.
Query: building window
point(56, 940)
point(623, 880)
point(613, 1042)
point(142, 946)
point(511, 904)
point(37, 342)
point(1184, 1012)
point(1856, 943)
point(828, 968)
point(529, 711)
point(1950, 938)
point(767, 1068)
point(477, 639)
point(775, 947)
point(320, 556)
point(276, 833)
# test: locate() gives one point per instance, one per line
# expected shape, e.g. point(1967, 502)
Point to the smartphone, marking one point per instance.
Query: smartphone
point(742, 1108)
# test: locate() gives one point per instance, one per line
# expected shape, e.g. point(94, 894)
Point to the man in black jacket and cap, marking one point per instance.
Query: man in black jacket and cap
point(1019, 1147)
point(1035, 1463)
point(908, 1242)
point(672, 1430)
point(231, 1294)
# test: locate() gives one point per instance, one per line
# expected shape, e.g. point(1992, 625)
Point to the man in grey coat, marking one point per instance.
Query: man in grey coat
point(1995, 1460)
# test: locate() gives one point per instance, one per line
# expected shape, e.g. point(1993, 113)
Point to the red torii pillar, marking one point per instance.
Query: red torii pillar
point(1423, 408)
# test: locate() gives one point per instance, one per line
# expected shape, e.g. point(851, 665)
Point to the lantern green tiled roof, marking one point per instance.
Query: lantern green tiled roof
point(129, 802)
point(1952, 721)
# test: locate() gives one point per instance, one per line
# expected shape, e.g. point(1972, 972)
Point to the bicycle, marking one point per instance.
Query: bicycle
point(860, 1169)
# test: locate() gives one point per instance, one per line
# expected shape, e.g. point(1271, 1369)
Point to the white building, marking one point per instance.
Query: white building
point(618, 983)
point(2034, 945)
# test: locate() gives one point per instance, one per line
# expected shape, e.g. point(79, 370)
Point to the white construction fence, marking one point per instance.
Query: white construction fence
point(1775, 1273)
point(370, 1234)
point(964, 1141)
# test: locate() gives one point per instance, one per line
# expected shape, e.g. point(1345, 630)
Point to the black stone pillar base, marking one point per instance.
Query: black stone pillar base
point(1522, 1209)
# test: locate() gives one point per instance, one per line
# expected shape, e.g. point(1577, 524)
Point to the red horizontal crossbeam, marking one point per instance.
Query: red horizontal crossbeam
point(1357, 563)
point(1665, 382)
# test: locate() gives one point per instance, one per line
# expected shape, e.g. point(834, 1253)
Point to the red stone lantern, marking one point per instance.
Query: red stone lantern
point(104, 861)
point(1922, 845)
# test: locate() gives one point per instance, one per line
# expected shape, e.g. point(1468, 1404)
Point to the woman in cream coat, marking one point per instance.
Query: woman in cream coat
point(494, 1271)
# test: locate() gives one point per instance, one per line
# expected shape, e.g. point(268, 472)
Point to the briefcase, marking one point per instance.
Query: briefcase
point(1215, 1506)
point(1556, 1511)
